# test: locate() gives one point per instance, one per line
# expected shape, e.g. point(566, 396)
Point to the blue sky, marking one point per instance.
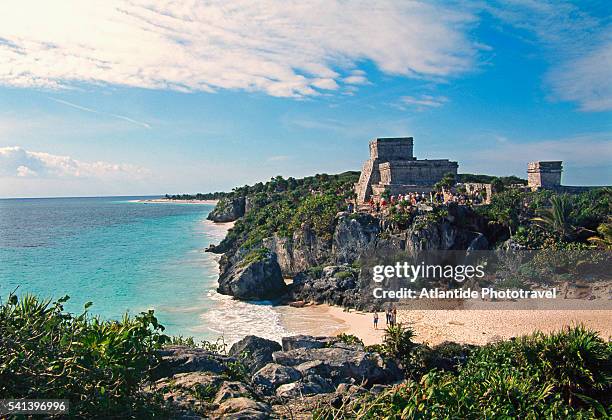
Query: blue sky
point(150, 97)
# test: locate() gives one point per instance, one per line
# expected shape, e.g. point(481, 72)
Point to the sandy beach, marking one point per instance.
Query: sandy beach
point(435, 326)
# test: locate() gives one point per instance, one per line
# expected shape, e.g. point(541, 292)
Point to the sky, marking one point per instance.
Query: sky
point(151, 97)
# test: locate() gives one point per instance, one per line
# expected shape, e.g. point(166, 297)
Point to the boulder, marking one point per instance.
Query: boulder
point(242, 408)
point(255, 352)
point(256, 277)
point(309, 385)
point(342, 365)
point(180, 359)
point(271, 376)
point(306, 342)
point(180, 388)
point(232, 389)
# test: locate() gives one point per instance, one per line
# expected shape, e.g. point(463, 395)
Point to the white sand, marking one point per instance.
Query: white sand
point(436, 326)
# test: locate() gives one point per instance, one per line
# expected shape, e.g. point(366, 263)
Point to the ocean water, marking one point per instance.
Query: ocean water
point(126, 256)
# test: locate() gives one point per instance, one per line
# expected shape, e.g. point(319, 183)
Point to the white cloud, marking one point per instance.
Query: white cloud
point(586, 80)
point(283, 48)
point(577, 44)
point(357, 77)
point(425, 101)
point(18, 162)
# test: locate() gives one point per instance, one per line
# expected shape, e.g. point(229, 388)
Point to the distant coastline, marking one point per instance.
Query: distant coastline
point(169, 200)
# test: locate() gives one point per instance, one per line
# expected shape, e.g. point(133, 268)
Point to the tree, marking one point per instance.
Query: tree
point(447, 182)
point(604, 240)
point(557, 218)
point(505, 208)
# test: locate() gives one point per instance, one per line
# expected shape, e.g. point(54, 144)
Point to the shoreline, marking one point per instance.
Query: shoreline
point(477, 327)
point(167, 200)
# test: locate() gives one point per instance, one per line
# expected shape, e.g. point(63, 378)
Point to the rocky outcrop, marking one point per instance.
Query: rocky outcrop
point(306, 342)
point(273, 375)
point(228, 210)
point(255, 352)
point(242, 408)
point(257, 277)
point(202, 384)
point(336, 285)
point(180, 359)
point(354, 234)
point(304, 249)
point(340, 364)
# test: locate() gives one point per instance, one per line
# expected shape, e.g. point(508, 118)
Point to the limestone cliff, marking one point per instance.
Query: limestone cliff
point(228, 210)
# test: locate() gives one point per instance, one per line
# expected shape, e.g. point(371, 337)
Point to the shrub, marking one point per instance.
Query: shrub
point(349, 339)
point(565, 374)
point(100, 366)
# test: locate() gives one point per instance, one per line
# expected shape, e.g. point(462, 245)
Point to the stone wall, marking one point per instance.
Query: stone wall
point(417, 172)
point(392, 165)
point(392, 148)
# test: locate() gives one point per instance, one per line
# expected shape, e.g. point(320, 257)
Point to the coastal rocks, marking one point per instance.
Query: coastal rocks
point(305, 342)
point(336, 285)
point(180, 359)
point(242, 408)
point(232, 389)
point(256, 277)
point(228, 210)
point(340, 364)
point(273, 375)
point(305, 369)
point(255, 352)
point(309, 385)
point(180, 388)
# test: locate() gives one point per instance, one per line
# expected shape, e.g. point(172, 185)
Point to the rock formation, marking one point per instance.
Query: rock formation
point(253, 278)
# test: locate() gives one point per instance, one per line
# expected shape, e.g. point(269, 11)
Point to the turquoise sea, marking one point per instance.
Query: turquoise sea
point(125, 255)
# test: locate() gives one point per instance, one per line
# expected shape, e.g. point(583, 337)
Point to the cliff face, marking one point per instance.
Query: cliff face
point(315, 261)
point(228, 210)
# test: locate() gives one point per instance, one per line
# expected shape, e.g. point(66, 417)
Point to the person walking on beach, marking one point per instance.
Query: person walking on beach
point(375, 320)
point(394, 315)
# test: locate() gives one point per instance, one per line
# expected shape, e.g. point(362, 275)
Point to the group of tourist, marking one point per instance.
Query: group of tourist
point(390, 317)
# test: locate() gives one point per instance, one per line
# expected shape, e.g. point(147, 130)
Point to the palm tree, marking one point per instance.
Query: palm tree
point(604, 240)
point(558, 217)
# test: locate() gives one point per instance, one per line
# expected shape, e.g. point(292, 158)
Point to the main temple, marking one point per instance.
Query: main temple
point(393, 167)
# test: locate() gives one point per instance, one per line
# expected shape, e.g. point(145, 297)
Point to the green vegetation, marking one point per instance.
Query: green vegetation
point(544, 219)
point(198, 196)
point(100, 366)
point(284, 206)
point(446, 183)
point(490, 179)
point(566, 374)
point(349, 339)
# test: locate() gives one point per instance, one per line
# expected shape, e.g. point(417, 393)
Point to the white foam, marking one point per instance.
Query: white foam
point(233, 319)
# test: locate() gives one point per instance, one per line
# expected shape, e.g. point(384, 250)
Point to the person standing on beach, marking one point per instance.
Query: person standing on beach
point(375, 320)
point(388, 316)
point(394, 315)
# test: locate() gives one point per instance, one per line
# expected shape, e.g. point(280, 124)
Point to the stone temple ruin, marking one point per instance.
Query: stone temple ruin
point(544, 175)
point(392, 166)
